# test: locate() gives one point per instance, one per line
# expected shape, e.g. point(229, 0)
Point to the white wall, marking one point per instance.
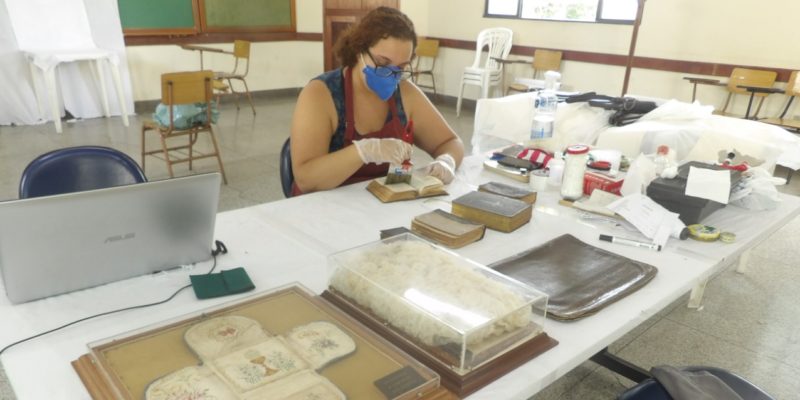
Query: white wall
point(742, 32)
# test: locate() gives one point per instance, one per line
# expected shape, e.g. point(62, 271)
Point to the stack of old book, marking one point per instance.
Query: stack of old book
point(447, 229)
point(509, 191)
point(493, 210)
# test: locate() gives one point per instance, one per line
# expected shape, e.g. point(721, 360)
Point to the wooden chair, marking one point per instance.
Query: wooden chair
point(742, 81)
point(183, 88)
point(425, 62)
point(792, 90)
point(543, 61)
point(241, 66)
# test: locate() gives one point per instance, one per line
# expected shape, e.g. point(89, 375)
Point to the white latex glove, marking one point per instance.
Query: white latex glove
point(443, 167)
point(380, 151)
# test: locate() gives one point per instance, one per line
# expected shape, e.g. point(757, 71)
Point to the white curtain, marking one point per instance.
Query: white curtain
point(59, 25)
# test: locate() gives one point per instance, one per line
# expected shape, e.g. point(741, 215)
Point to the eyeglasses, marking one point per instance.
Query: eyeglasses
point(386, 71)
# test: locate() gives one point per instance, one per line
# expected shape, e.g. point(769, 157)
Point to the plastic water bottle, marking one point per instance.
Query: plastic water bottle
point(545, 109)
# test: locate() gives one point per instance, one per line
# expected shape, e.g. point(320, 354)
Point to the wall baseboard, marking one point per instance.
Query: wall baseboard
point(660, 64)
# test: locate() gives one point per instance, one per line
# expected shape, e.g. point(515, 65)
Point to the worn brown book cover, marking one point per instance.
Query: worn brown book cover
point(495, 211)
point(420, 186)
point(510, 191)
point(447, 229)
point(579, 279)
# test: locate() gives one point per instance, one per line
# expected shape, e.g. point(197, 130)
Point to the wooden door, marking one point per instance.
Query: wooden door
point(338, 15)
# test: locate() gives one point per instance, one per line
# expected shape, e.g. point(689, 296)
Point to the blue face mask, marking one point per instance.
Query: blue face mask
point(383, 86)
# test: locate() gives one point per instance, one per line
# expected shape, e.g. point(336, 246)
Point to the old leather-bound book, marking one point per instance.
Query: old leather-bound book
point(509, 191)
point(495, 211)
point(447, 229)
point(419, 186)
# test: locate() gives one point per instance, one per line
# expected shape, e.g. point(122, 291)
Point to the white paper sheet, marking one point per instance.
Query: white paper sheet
point(649, 217)
point(597, 202)
point(709, 184)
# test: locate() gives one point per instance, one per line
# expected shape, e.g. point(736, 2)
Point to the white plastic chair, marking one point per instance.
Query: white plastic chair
point(491, 74)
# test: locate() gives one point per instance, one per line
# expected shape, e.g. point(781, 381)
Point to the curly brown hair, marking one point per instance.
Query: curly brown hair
point(380, 23)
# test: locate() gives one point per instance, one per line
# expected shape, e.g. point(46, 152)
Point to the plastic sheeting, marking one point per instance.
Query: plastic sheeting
point(697, 135)
point(58, 25)
point(505, 120)
point(689, 129)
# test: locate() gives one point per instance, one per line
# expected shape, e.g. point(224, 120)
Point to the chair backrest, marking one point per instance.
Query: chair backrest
point(498, 40)
point(427, 48)
point(546, 60)
point(241, 50)
point(651, 389)
point(426, 53)
point(750, 77)
point(76, 169)
point(186, 87)
point(287, 176)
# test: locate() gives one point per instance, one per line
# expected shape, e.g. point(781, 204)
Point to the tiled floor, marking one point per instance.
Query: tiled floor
point(748, 322)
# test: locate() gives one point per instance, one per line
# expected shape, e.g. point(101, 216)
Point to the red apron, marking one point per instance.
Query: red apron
point(392, 129)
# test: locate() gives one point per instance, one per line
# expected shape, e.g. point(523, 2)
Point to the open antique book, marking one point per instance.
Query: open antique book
point(420, 186)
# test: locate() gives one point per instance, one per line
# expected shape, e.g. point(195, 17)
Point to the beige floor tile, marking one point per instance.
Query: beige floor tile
point(672, 343)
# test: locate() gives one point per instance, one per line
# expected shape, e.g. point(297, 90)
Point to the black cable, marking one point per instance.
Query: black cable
point(219, 249)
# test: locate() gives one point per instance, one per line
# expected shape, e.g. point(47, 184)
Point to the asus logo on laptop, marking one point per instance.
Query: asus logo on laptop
point(117, 238)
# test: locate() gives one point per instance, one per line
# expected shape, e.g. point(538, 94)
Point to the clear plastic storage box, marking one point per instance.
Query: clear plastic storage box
point(453, 310)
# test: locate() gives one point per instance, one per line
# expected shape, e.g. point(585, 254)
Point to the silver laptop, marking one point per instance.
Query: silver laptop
point(58, 244)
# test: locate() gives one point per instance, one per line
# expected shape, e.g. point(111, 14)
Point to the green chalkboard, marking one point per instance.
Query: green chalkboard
point(157, 15)
point(248, 14)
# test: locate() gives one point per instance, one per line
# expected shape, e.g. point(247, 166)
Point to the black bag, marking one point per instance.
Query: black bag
point(627, 109)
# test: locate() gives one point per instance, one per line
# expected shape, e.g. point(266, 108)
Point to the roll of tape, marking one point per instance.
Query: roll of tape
point(704, 233)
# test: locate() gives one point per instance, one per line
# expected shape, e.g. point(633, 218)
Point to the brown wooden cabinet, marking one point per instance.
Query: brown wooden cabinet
point(338, 15)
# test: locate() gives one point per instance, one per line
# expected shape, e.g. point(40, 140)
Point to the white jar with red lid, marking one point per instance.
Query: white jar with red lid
point(574, 168)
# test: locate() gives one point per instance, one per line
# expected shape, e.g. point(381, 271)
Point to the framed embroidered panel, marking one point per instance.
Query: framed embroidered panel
point(286, 344)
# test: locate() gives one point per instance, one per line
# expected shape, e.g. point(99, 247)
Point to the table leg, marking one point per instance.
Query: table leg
point(743, 261)
point(36, 89)
point(97, 68)
point(749, 104)
point(694, 91)
point(201, 60)
point(123, 109)
point(696, 297)
point(620, 366)
point(50, 83)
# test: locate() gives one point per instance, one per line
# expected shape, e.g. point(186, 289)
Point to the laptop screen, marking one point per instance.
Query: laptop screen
point(58, 244)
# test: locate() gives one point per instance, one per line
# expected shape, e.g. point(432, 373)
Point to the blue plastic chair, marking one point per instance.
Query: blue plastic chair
point(287, 176)
point(650, 389)
point(76, 169)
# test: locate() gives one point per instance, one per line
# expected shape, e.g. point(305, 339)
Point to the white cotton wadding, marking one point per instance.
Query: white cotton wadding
point(428, 295)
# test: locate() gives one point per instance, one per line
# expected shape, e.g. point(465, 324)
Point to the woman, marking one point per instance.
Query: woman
point(368, 103)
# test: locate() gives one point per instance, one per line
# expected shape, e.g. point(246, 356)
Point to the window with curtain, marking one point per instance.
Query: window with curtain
point(604, 11)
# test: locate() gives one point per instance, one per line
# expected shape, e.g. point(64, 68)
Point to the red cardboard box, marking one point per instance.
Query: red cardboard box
point(594, 180)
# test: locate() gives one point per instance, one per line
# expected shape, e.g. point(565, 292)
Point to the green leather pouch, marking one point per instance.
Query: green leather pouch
point(222, 283)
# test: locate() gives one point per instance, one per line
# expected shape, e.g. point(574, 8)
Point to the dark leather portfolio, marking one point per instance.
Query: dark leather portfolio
point(579, 279)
